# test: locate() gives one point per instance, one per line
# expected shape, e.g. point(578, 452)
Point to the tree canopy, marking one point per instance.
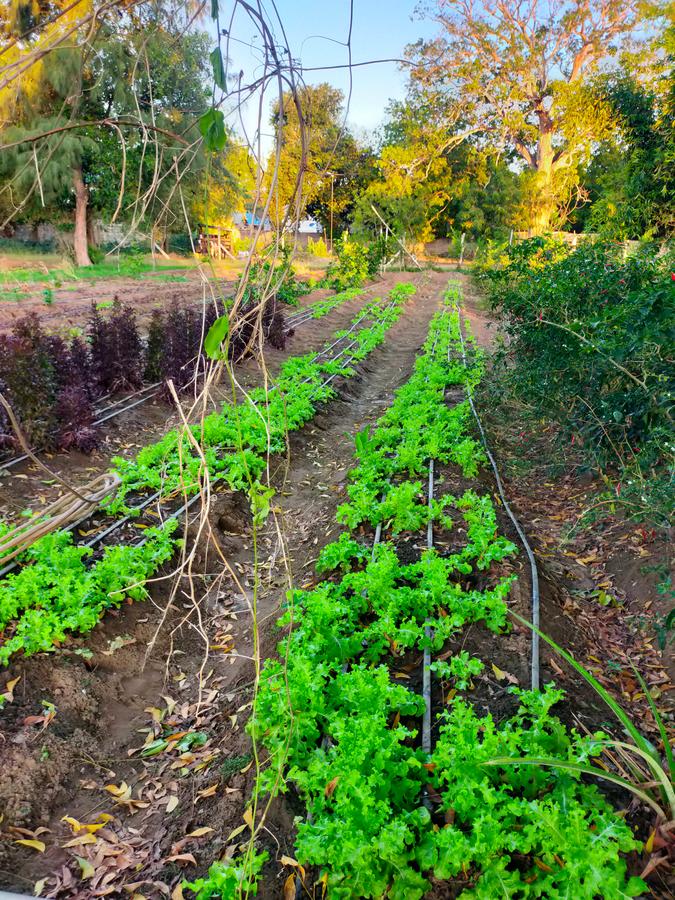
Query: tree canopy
point(517, 76)
point(107, 124)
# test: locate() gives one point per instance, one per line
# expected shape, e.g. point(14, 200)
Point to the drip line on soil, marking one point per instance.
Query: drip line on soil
point(112, 409)
point(426, 661)
point(426, 664)
point(521, 534)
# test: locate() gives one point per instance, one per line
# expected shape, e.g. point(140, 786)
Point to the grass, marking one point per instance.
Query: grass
point(125, 267)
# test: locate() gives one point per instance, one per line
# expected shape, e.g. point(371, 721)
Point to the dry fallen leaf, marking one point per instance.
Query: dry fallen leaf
point(200, 832)
point(330, 787)
point(86, 868)
point(8, 694)
point(172, 804)
point(76, 826)
point(122, 791)
point(80, 840)
point(34, 845)
point(182, 858)
point(500, 675)
point(209, 791)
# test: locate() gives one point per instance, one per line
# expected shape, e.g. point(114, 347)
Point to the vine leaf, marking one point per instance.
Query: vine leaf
point(215, 337)
point(216, 58)
point(212, 128)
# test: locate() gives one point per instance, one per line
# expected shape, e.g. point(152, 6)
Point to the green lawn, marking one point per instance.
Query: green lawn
point(11, 280)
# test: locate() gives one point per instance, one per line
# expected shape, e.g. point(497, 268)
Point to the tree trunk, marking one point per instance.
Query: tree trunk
point(80, 232)
point(91, 230)
point(545, 199)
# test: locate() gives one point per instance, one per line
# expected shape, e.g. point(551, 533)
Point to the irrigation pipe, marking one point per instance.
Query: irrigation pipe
point(426, 666)
point(101, 410)
point(516, 524)
point(426, 662)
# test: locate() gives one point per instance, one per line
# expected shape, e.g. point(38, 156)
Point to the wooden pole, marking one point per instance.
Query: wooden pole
point(401, 245)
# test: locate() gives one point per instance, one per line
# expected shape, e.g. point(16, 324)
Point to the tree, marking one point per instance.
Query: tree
point(517, 73)
point(110, 125)
point(352, 169)
point(433, 177)
point(228, 185)
point(631, 178)
point(314, 141)
point(413, 173)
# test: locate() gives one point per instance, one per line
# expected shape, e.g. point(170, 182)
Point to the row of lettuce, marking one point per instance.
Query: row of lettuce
point(336, 726)
point(59, 590)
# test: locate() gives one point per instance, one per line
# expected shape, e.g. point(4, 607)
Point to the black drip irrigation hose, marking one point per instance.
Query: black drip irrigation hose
point(426, 664)
point(516, 524)
point(112, 408)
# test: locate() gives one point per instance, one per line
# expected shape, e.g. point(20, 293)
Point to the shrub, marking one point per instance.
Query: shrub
point(96, 255)
point(317, 248)
point(352, 266)
point(588, 337)
point(116, 349)
point(74, 415)
point(28, 371)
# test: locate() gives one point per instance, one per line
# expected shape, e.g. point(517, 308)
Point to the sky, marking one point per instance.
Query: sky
point(317, 34)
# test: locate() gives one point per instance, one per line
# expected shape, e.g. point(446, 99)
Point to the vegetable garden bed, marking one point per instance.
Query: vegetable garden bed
point(338, 715)
point(55, 593)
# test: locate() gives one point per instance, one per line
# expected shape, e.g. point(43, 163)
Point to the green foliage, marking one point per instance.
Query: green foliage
point(352, 266)
point(340, 554)
point(526, 832)
point(236, 440)
point(149, 72)
point(274, 277)
point(229, 880)
point(335, 165)
point(338, 727)
point(322, 307)
point(55, 593)
point(553, 121)
point(461, 669)
point(630, 178)
point(588, 337)
point(317, 248)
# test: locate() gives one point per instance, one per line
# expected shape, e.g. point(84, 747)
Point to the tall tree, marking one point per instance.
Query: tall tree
point(110, 124)
point(314, 141)
point(518, 72)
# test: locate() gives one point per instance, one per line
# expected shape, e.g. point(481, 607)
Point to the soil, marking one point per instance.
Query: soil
point(70, 306)
point(102, 701)
point(180, 663)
